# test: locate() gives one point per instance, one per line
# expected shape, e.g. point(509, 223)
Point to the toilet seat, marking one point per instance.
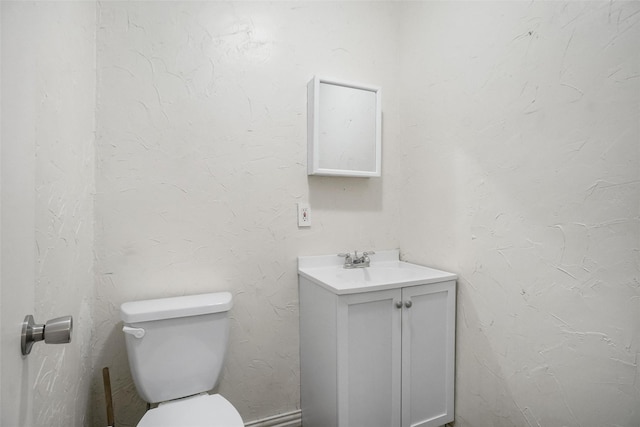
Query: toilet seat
point(197, 411)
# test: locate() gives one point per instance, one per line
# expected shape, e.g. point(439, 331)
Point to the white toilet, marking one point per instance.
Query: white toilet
point(176, 348)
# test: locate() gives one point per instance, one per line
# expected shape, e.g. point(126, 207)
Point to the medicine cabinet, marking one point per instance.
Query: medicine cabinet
point(343, 128)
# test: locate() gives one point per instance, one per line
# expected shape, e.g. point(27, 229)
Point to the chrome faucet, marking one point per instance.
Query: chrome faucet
point(356, 261)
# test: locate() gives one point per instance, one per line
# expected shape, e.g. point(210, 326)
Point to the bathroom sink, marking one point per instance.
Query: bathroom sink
point(385, 272)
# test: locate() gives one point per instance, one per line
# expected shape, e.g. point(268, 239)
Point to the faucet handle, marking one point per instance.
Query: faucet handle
point(348, 261)
point(367, 253)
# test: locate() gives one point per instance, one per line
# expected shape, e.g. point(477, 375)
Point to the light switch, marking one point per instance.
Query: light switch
point(304, 215)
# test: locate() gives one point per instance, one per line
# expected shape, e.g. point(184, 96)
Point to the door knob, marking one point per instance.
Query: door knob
point(408, 304)
point(55, 331)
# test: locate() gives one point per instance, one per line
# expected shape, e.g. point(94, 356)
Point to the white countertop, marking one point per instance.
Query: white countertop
point(386, 271)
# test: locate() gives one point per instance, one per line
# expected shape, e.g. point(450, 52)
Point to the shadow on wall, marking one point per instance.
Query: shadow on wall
point(123, 389)
point(345, 194)
point(483, 376)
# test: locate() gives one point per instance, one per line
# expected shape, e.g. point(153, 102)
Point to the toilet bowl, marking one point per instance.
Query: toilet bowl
point(176, 348)
point(208, 410)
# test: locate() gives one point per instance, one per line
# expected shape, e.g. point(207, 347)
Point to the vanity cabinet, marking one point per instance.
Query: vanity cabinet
point(380, 358)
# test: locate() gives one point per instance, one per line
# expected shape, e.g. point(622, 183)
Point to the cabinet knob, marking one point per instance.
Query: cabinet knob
point(408, 304)
point(398, 304)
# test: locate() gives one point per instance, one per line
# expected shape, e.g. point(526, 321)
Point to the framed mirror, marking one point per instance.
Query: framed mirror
point(343, 128)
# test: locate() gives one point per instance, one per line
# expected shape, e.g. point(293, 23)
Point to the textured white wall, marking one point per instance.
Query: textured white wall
point(201, 158)
point(50, 68)
point(521, 131)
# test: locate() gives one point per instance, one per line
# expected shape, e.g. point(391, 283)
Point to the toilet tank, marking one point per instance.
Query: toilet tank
point(176, 346)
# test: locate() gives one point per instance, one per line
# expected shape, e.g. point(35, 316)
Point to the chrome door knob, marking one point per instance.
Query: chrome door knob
point(55, 331)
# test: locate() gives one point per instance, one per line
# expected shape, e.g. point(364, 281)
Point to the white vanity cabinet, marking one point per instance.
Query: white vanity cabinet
point(379, 357)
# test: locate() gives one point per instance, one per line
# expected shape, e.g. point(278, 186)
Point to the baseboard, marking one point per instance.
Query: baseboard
point(290, 419)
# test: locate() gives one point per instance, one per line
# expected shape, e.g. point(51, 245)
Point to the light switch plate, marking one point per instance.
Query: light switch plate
point(304, 215)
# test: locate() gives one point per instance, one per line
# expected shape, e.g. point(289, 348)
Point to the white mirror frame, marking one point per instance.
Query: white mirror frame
point(315, 164)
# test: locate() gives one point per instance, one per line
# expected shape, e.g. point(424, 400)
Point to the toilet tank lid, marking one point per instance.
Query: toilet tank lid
point(170, 308)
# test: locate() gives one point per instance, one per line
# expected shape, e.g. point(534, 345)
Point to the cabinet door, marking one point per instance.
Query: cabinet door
point(369, 357)
point(428, 348)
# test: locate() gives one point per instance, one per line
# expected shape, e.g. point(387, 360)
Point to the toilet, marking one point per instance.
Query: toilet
point(176, 348)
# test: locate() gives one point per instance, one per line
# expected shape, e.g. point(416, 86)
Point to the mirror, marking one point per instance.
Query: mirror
point(344, 128)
